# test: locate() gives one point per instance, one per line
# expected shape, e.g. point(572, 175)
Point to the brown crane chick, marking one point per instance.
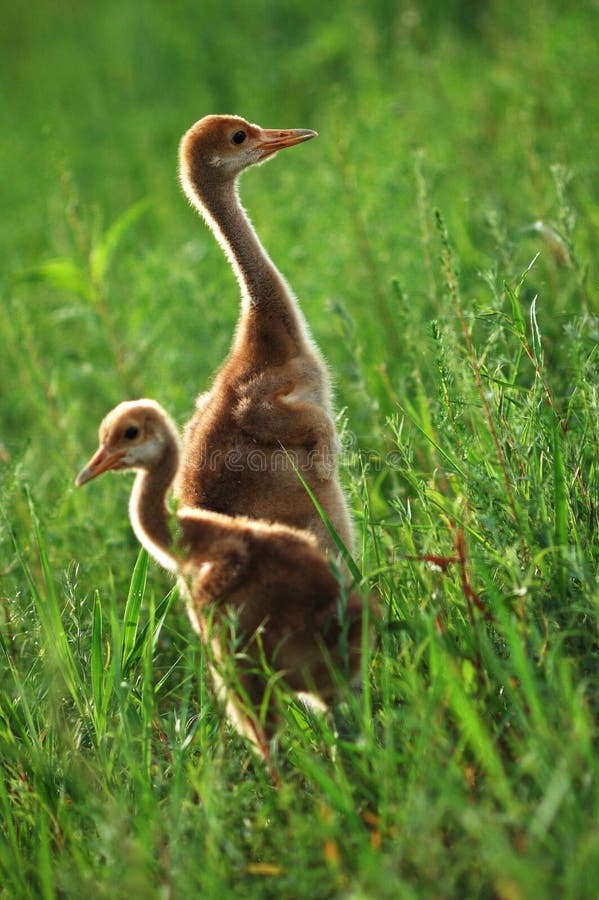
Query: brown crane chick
point(269, 584)
point(270, 405)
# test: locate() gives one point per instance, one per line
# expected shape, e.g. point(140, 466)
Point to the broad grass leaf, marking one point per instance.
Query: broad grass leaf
point(103, 253)
point(132, 610)
point(62, 274)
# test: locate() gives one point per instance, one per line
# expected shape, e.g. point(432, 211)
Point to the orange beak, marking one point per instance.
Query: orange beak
point(272, 140)
point(103, 460)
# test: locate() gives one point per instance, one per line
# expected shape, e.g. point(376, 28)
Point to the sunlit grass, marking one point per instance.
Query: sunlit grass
point(442, 237)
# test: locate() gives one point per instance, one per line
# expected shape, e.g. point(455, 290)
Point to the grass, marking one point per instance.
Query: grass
point(442, 237)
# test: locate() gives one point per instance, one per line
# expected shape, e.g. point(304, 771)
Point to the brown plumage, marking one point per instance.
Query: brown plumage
point(267, 583)
point(273, 392)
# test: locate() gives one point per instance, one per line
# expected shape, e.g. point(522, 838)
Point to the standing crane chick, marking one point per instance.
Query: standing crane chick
point(269, 582)
point(270, 406)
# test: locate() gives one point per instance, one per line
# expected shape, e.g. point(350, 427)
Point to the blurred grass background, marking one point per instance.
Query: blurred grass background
point(470, 395)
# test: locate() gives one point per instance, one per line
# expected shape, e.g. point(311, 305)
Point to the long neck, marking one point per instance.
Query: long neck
point(268, 305)
point(148, 511)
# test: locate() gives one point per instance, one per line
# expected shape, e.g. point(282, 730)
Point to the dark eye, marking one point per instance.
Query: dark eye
point(131, 432)
point(239, 137)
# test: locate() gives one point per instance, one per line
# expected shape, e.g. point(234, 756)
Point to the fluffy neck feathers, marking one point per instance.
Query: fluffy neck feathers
point(148, 510)
point(265, 293)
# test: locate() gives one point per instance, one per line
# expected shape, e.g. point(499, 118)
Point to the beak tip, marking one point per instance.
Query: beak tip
point(82, 477)
point(102, 460)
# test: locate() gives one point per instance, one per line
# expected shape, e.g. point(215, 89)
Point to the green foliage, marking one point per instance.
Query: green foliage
point(442, 237)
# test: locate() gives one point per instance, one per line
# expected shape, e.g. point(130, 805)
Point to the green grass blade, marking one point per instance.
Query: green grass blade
point(60, 274)
point(476, 732)
point(345, 554)
point(147, 696)
point(103, 252)
point(131, 619)
point(48, 609)
point(12, 864)
point(101, 680)
point(44, 856)
point(96, 653)
point(411, 413)
point(560, 501)
point(517, 314)
point(335, 788)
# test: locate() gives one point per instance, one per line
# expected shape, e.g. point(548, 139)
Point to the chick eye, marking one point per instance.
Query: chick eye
point(131, 432)
point(239, 137)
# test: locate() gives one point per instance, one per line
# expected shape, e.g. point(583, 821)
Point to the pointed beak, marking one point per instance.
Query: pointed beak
point(102, 460)
point(273, 140)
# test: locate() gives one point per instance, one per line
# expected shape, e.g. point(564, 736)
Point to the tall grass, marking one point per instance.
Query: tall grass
point(442, 237)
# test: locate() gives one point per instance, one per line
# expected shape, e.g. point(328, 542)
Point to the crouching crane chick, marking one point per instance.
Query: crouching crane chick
point(268, 583)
